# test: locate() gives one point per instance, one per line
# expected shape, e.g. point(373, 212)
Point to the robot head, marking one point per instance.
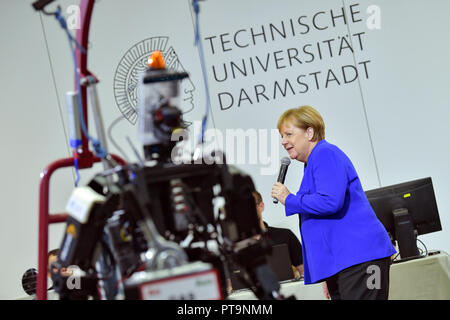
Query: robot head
point(159, 113)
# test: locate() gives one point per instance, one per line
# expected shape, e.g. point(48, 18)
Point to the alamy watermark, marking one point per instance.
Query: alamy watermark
point(374, 19)
point(232, 146)
point(73, 17)
point(374, 280)
point(74, 279)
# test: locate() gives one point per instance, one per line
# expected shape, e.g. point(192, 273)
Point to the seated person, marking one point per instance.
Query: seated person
point(53, 257)
point(29, 278)
point(278, 236)
point(281, 235)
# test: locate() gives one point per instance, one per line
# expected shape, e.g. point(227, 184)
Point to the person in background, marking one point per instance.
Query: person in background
point(29, 278)
point(345, 246)
point(53, 257)
point(280, 236)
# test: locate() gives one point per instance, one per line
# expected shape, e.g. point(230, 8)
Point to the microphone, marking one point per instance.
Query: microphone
point(285, 162)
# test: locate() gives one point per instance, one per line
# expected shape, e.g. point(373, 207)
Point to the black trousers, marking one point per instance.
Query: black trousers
point(364, 281)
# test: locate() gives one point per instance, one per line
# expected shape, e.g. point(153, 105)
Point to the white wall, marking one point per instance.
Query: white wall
point(392, 124)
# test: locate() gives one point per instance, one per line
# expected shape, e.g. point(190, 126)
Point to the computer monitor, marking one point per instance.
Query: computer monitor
point(279, 262)
point(406, 210)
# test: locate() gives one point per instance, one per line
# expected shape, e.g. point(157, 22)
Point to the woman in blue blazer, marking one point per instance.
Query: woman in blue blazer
point(344, 244)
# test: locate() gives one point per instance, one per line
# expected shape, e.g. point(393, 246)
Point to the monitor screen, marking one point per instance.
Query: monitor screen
point(416, 196)
point(279, 262)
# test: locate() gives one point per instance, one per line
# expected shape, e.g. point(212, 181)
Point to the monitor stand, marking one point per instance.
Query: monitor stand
point(406, 235)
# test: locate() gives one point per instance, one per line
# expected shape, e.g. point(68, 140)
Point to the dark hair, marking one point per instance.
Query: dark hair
point(54, 252)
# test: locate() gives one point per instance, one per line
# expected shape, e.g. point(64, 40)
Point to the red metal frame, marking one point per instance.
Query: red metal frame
point(86, 158)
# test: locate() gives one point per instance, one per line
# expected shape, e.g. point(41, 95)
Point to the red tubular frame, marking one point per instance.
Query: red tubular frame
point(86, 159)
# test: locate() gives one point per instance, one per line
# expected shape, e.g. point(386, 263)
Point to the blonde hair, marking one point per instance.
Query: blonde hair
point(304, 117)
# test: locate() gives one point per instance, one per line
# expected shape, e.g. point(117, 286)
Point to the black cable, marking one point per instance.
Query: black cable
point(426, 250)
point(395, 257)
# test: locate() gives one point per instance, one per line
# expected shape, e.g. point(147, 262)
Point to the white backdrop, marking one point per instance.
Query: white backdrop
point(392, 119)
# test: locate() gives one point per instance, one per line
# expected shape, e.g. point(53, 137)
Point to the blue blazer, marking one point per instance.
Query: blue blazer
point(338, 227)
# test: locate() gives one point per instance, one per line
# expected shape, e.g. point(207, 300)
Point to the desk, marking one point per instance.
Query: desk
point(296, 288)
point(420, 279)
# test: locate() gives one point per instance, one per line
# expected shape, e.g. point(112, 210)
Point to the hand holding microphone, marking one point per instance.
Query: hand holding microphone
point(279, 191)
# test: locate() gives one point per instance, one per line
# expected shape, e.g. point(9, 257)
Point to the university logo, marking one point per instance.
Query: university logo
point(133, 63)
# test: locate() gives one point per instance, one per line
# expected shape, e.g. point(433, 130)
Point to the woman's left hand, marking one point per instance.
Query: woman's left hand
point(280, 192)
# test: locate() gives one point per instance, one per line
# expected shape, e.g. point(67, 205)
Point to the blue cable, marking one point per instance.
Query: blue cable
point(77, 171)
point(98, 148)
point(198, 43)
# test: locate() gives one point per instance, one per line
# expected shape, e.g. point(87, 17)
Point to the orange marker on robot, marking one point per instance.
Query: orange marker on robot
point(156, 60)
